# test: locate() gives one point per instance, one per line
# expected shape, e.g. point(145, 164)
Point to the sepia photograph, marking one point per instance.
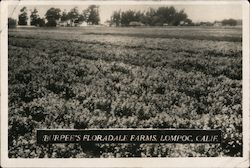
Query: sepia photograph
point(131, 80)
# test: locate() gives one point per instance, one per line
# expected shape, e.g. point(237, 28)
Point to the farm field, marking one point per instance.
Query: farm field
point(79, 78)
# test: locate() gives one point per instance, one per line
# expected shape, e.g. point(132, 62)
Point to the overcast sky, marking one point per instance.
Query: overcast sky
point(195, 12)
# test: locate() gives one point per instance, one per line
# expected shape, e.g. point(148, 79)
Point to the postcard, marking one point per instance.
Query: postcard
point(125, 83)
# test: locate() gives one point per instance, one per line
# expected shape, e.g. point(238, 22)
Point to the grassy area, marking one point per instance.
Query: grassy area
point(195, 33)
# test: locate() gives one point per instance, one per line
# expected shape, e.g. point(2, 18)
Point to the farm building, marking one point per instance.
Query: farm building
point(70, 23)
point(217, 24)
point(64, 23)
point(82, 24)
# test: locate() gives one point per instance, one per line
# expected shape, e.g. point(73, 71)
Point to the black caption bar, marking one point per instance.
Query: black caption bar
point(129, 136)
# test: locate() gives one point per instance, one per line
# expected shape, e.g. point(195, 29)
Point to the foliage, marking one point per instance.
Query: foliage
point(52, 15)
point(83, 17)
point(93, 14)
point(64, 16)
point(130, 16)
point(23, 16)
point(152, 17)
point(73, 15)
point(11, 23)
point(41, 22)
point(229, 22)
point(116, 18)
point(90, 15)
point(34, 17)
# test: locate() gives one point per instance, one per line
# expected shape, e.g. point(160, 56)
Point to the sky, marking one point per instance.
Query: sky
point(196, 13)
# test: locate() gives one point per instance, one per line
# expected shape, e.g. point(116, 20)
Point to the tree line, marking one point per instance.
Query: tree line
point(54, 15)
point(162, 16)
point(152, 17)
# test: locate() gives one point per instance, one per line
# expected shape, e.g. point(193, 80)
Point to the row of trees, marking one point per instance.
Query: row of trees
point(152, 17)
point(34, 18)
point(224, 22)
point(229, 22)
point(89, 15)
point(53, 15)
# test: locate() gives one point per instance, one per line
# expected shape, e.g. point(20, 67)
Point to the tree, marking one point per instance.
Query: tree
point(116, 18)
point(92, 13)
point(138, 16)
point(34, 17)
point(127, 17)
point(167, 15)
point(229, 22)
point(52, 15)
point(11, 23)
point(41, 22)
point(179, 16)
point(150, 17)
point(64, 16)
point(73, 15)
point(189, 22)
point(83, 17)
point(23, 16)
point(170, 16)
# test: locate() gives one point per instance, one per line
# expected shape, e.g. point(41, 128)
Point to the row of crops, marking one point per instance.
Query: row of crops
point(130, 83)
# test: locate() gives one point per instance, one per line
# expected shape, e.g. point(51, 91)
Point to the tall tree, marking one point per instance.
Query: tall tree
point(166, 15)
point(41, 22)
point(52, 15)
point(83, 17)
point(127, 17)
point(116, 18)
point(180, 16)
point(23, 16)
point(138, 16)
point(34, 18)
point(92, 13)
point(64, 16)
point(73, 15)
point(148, 18)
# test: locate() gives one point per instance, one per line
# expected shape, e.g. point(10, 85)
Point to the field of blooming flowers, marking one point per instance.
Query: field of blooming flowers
point(124, 78)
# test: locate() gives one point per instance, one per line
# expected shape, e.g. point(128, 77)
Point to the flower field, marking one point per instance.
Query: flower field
point(76, 78)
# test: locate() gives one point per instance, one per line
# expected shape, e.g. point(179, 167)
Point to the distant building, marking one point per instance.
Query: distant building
point(205, 24)
point(217, 24)
point(64, 23)
point(183, 23)
point(107, 23)
point(82, 24)
point(134, 24)
point(71, 23)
